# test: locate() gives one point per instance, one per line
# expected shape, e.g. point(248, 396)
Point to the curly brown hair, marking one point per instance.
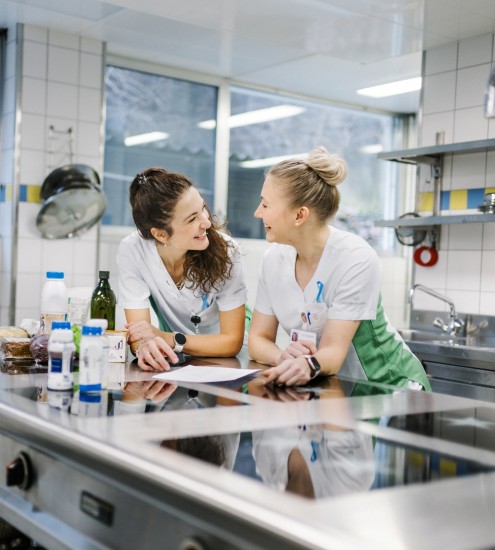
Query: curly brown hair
point(153, 195)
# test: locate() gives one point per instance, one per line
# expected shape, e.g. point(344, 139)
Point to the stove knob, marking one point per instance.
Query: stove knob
point(19, 472)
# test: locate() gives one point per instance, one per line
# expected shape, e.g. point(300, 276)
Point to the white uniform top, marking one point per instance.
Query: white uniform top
point(350, 272)
point(348, 268)
point(144, 282)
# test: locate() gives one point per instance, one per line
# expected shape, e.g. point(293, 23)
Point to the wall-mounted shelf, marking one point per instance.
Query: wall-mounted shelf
point(431, 154)
point(433, 221)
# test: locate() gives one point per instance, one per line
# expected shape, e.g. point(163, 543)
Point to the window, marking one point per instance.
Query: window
point(153, 120)
point(274, 126)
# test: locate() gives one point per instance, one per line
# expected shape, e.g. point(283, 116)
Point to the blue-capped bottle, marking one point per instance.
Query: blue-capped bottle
point(90, 359)
point(61, 350)
point(54, 301)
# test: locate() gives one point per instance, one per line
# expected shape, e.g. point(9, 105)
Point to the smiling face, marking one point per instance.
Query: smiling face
point(190, 222)
point(278, 218)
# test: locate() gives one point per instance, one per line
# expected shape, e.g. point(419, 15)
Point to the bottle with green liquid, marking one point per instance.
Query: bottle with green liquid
point(103, 301)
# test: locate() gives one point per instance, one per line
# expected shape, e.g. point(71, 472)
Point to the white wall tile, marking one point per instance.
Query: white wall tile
point(27, 313)
point(487, 303)
point(91, 74)
point(63, 39)
point(5, 289)
point(488, 271)
point(37, 34)
point(473, 51)
point(470, 124)
point(58, 255)
point(434, 276)
point(90, 104)
point(28, 290)
point(468, 171)
point(33, 95)
point(28, 256)
point(28, 212)
point(33, 130)
point(88, 139)
point(441, 59)
point(463, 270)
point(488, 236)
point(34, 59)
point(471, 85)
point(422, 300)
point(32, 166)
point(439, 92)
point(63, 65)
point(91, 46)
point(437, 122)
point(61, 100)
point(466, 236)
point(84, 259)
point(491, 128)
point(465, 301)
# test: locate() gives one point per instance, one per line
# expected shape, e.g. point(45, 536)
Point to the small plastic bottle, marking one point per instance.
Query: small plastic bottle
point(103, 324)
point(90, 359)
point(54, 301)
point(103, 301)
point(61, 350)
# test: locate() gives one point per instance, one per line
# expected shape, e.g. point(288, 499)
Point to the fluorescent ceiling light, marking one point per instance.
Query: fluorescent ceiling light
point(255, 117)
point(393, 88)
point(140, 139)
point(371, 149)
point(269, 161)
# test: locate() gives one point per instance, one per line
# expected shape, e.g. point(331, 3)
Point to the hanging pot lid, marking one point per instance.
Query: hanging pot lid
point(72, 202)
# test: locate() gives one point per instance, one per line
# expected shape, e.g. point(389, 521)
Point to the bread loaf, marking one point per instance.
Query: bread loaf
point(13, 332)
point(15, 348)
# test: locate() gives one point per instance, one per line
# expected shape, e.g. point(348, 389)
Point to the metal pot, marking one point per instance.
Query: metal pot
point(72, 202)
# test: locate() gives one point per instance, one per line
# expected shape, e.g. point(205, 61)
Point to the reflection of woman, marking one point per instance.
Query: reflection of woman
point(314, 462)
point(332, 276)
point(179, 263)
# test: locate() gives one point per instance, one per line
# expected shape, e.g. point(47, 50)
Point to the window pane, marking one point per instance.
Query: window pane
point(369, 192)
point(139, 103)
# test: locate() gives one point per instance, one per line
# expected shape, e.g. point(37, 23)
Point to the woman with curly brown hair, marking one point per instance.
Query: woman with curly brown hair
point(179, 263)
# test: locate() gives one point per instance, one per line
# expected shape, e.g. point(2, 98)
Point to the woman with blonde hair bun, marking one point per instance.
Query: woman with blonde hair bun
point(322, 284)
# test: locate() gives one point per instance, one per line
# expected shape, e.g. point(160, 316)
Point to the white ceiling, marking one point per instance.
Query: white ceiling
point(320, 48)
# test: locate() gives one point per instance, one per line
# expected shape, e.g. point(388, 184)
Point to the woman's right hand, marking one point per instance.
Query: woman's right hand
point(152, 354)
point(296, 349)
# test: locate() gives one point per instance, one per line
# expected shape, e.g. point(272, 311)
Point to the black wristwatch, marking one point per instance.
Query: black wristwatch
point(179, 341)
point(314, 366)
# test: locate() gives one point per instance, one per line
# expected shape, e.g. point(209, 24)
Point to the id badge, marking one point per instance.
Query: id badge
point(314, 317)
point(297, 334)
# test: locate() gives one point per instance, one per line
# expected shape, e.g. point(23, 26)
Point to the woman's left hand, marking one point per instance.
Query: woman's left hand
point(290, 372)
point(140, 330)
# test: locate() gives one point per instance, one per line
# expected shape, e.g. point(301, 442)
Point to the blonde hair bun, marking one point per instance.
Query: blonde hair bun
point(331, 168)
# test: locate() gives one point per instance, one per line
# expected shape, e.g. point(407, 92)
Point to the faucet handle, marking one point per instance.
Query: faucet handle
point(440, 324)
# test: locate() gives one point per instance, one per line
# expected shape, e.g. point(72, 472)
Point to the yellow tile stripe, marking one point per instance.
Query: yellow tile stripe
point(33, 193)
point(425, 201)
point(458, 199)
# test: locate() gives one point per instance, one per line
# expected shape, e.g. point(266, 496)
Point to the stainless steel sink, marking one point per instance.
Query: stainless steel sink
point(442, 339)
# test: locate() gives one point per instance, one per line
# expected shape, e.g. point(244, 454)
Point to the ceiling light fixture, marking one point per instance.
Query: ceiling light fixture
point(255, 117)
point(140, 139)
point(269, 161)
point(392, 88)
point(372, 149)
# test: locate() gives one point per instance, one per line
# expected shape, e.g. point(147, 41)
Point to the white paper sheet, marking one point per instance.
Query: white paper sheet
point(204, 373)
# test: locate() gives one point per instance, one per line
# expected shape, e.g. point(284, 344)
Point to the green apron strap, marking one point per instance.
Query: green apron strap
point(162, 323)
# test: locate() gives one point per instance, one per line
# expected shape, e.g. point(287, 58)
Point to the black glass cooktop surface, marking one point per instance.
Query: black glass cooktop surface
point(470, 426)
point(137, 397)
point(322, 461)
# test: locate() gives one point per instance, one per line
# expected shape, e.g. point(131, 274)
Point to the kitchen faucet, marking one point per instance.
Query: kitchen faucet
point(454, 323)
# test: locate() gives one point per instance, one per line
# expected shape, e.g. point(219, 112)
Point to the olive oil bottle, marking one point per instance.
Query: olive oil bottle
point(103, 301)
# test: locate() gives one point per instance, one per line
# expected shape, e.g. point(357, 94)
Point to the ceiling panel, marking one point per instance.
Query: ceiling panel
point(322, 48)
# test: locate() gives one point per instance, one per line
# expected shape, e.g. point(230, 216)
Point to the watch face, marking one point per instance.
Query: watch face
point(179, 338)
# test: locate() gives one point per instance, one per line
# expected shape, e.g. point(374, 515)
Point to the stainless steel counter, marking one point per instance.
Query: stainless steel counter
point(339, 464)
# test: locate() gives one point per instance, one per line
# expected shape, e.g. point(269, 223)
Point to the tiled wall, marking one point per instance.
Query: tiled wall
point(455, 78)
point(7, 175)
point(61, 88)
